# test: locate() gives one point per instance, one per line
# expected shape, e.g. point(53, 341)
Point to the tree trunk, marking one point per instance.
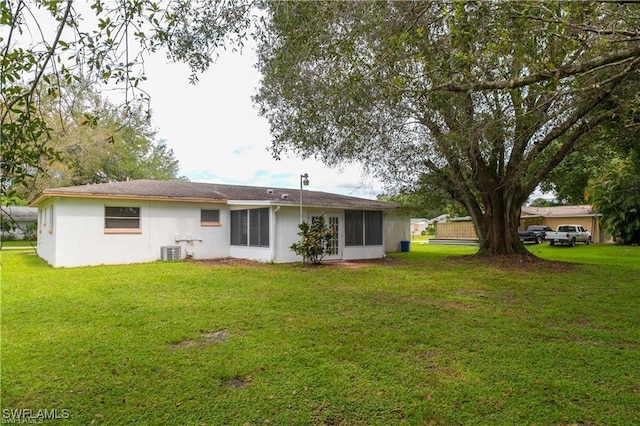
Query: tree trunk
point(497, 227)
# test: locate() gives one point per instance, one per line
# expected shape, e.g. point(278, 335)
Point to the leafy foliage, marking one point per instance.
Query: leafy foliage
point(424, 203)
point(426, 198)
point(43, 48)
point(543, 202)
point(569, 180)
point(615, 140)
point(200, 28)
point(315, 239)
point(95, 141)
point(616, 195)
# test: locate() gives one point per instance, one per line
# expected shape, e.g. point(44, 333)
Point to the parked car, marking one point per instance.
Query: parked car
point(568, 234)
point(534, 234)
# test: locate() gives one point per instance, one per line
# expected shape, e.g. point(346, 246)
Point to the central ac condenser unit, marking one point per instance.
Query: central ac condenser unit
point(170, 253)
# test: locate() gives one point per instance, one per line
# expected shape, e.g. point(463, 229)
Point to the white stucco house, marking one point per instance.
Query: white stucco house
point(145, 220)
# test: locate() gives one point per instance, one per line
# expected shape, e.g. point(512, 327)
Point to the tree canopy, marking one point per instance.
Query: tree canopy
point(42, 48)
point(616, 140)
point(615, 192)
point(95, 141)
point(486, 97)
point(616, 196)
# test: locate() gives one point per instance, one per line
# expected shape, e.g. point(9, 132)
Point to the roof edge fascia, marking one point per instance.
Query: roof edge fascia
point(251, 203)
point(53, 194)
point(306, 206)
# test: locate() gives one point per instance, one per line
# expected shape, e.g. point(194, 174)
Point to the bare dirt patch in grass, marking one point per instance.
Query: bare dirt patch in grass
point(516, 262)
point(237, 382)
point(206, 338)
point(388, 262)
point(458, 306)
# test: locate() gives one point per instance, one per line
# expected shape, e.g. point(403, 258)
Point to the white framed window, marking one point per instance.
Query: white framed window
point(121, 219)
point(210, 217)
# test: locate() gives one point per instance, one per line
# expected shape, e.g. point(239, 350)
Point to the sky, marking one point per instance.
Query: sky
point(217, 135)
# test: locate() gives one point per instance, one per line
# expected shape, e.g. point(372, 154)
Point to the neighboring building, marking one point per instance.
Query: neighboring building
point(558, 215)
point(463, 229)
point(142, 220)
point(18, 222)
point(418, 225)
point(441, 218)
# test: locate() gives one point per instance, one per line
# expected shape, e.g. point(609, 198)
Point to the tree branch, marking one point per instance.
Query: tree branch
point(566, 148)
point(559, 73)
point(52, 49)
point(580, 112)
point(585, 28)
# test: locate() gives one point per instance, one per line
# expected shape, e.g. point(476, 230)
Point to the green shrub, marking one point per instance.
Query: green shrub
point(314, 242)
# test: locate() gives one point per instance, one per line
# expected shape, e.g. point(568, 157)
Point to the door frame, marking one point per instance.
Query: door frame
point(340, 232)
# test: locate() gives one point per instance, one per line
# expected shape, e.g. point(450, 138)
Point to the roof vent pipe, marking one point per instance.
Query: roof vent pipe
point(285, 196)
point(269, 191)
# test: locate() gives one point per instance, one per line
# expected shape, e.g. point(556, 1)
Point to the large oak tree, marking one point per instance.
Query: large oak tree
point(487, 97)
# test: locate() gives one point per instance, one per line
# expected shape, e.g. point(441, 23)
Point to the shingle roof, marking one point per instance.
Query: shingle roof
point(211, 192)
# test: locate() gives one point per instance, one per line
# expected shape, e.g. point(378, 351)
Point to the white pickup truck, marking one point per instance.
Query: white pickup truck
point(568, 234)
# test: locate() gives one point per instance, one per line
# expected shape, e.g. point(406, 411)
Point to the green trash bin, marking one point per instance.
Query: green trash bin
point(404, 246)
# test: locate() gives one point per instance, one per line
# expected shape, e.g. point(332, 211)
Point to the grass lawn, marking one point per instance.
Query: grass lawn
point(418, 238)
point(425, 337)
point(18, 243)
